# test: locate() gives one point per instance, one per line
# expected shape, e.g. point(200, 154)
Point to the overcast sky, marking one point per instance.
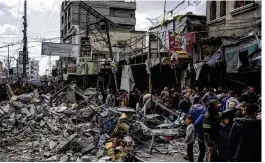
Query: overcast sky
point(44, 19)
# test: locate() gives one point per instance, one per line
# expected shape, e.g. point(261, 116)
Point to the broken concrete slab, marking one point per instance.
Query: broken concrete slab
point(88, 148)
point(53, 158)
point(6, 108)
point(47, 154)
point(26, 111)
point(36, 144)
point(64, 158)
point(52, 145)
point(61, 147)
point(85, 159)
point(66, 134)
point(42, 123)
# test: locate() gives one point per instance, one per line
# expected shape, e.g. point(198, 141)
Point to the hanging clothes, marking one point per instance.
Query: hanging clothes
point(127, 79)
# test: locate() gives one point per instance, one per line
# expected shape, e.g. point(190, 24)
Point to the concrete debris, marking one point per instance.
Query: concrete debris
point(64, 158)
point(47, 154)
point(49, 128)
point(52, 145)
point(86, 159)
point(53, 158)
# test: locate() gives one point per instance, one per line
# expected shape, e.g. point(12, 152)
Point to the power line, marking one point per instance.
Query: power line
point(48, 15)
point(16, 21)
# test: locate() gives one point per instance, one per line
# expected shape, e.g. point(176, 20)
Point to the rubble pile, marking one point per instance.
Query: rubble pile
point(33, 130)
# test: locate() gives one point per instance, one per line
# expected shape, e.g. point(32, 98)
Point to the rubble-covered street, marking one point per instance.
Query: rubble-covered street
point(32, 130)
point(130, 81)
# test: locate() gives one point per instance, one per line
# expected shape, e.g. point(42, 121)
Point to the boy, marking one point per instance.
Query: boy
point(190, 137)
point(226, 125)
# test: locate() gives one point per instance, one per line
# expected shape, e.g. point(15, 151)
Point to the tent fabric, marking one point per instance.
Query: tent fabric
point(198, 68)
point(127, 79)
point(215, 58)
point(232, 59)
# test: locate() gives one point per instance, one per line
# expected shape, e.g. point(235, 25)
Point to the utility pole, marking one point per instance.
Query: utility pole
point(8, 63)
point(164, 15)
point(25, 42)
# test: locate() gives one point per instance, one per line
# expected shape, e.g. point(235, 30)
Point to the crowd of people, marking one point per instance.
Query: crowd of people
point(227, 125)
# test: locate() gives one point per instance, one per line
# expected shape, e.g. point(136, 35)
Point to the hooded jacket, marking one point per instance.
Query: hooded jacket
point(244, 144)
point(197, 111)
point(211, 126)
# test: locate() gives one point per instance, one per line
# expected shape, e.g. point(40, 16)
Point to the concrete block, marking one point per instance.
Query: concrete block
point(85, 159)
point(63, 145)
point(53, 158)
point(26, 111)
point(64, 158)
point(52, 145)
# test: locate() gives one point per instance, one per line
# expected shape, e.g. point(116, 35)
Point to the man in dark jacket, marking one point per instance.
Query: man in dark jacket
point(184, 104)
point(197, 111)
point(244, 143)
point(249, 96)
point(211, 129)
point(209, 96)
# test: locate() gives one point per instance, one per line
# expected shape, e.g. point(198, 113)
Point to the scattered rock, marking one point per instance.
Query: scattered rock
point(64, 158)
point(36, 144)
point(47, 154)
point(42, 123)
point(86, 159)
point(26, 111)
point(53, 158)
point(52, 145)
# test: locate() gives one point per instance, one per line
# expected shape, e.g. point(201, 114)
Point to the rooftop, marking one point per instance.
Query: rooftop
point(179, 18)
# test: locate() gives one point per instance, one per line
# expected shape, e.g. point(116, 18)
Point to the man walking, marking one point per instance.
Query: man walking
point(197, 111)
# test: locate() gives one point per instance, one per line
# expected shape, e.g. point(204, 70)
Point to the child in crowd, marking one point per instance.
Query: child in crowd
point(226, 125)
point(190, 137)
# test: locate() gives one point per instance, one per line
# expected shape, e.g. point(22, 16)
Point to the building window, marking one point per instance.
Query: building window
point(239, 4)
point(213, 10)
point(222, 8)
point(112, 12)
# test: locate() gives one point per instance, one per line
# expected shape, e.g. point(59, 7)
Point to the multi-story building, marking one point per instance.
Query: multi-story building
point(32, 70)
point(231, 53)
point(178, 35)
point(120, 12)
point(87, 18)
point(233, 18)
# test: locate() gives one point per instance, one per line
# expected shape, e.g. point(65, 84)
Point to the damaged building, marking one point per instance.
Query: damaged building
point(234, 38)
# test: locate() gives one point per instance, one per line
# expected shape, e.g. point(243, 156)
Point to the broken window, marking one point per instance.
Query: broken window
point(239, 4)
point(213, 10)
point(222, 8)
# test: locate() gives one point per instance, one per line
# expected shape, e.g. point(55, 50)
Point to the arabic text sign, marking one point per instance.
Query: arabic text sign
point(58, 49)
